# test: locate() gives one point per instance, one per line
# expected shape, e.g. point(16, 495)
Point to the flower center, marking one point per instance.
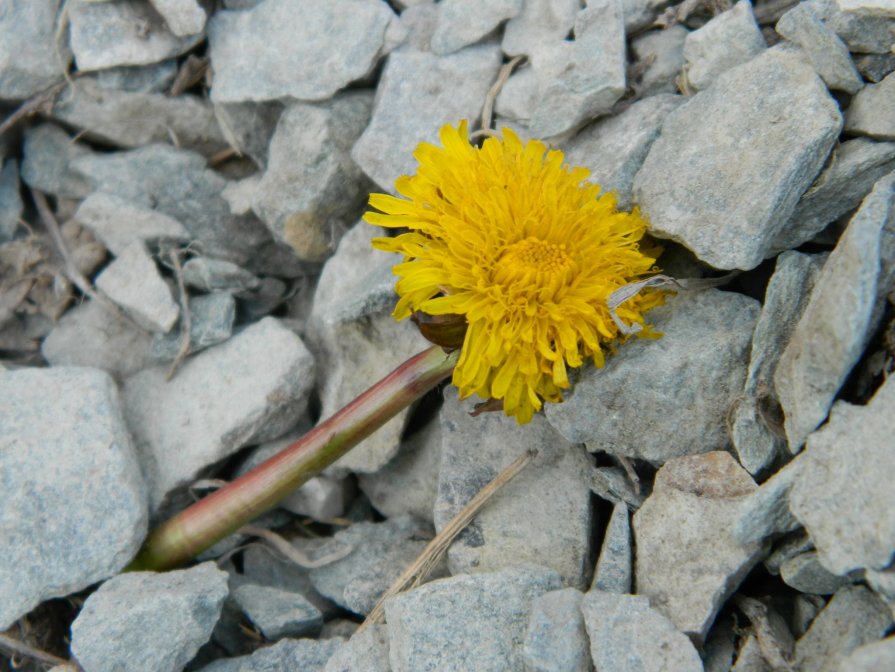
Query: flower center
point(532, 255)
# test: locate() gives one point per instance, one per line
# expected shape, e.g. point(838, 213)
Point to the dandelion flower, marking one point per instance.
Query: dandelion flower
point(526, 250)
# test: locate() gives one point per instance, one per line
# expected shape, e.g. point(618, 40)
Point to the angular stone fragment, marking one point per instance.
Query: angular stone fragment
point(828, 54)
point(31, 59)
point(874, 67)
point(418, 93)
point(261, 567)
point(870, 112)
point(662, 54)
point(133, 282)
point(871, 657)
point(756, 435)
point(152, 78)
point(540, 22)
point(725, 174)
point(366, 650)
point(307, 655)
point(10, 200)
point(306, 50)
point(149, 621)
point(126, 32)
point(556, 640)
point(58, 425)
point(312, 191)
point(805, 573)
point(766, 511)
point(49, 152)
point(249, 128)
point(217, 275)
point(688, 562)
point(278, 613)
point(884, 8)
point(862, 33)
point(839, 318)
point(184, 17)
point(614, 149)
point(622, 627)
point(211, 322)
point(613, 573)
point(117, 223)
point(553, 489)
point(464, 22)
point(843, 493)
point(641, 405)
point(729, 39)
point(246, 390)
point(465, 622)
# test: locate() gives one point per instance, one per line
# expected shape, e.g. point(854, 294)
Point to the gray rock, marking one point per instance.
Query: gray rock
point(883, 584)
point(882, 8)
point(409, 482)
point(766, 511)
point(729, 39)
point(126, 32)
point(827, 53)
point(365, 651)
point(749, 657)
point(805, 609)
point(870, 657)
point(640, 14)
point(540, 22)
point(553, 490)
point(133, 282)
point(264, 568)
point(465, 622)
point(307, 52)
point(841, 313)
point(118, 223)
point(179, 184)
point(719, 650)
point(48, 154)
point(874, 67)
point(805, 573)
point(843, 494)
point(380, 553)
point(307, 655)
point(870, 111)
point(725, 175)
point(183, 425)
point(217, 275)
point(862, 33)
point(31, 58)
point(583, 78)
point(133, 119)
point(663, 50)
point(639, 404)
point(556, 640)
point(852, 170)
point(149, 621)
point(613, 485)
point(153, 78)
point(211, 322)
point(312, 191)
point(464, 22)
point(755, 435)
point(62, 531)
point(11, 205)
point(788, 547)
point(249, 128)
point(357, 342)
point(184, 17)
point(688, 562)
point(278, 613)
point(627, 634)
point(419, 20)
point(855, 616)
point(418, 93)
point(614, 149)
point(613, 573)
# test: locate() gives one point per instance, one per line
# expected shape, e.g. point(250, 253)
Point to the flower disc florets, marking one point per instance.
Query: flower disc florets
point(526, 250)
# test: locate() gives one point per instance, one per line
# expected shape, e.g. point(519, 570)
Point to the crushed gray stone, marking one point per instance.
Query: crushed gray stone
point(870, 111)
point(556, 640)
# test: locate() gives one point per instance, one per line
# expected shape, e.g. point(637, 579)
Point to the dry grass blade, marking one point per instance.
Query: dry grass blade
point(417, 572)
point(293, 554)
point(502, 77)
point(186, 318)
point(19, 648)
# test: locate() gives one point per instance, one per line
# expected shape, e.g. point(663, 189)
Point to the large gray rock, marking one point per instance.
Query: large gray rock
point(862, 33)
point(870, 111)
point(828, 54)
point(48, 153)
point(464, 22)
point(725, 174)
point(614, 570)
point(312, 191)
point(853, 168)
point(641, 405)
point(74, 502)
point(556, 640)
point(30, 57)
point(149, 621)
point(855, 616)
point(839, 318)
point(553, 490)
point(539, 22)
point(614, 149)
point(754, 430)
point(688, 562)
point(126, 32)
point(729, 39)
point(188, 423)
point(467, 622)
point(307, 655)
point(417, 94)
point(306, 50)
point(843, 494)
point(179, 184)
point(365, 651)
point(628, 635)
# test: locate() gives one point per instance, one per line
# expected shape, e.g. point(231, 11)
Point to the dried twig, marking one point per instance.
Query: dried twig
point(502, 77)
point(294, 554)
point(417, 572)
point(186, 318)
point(190, 73)
point(42, 103)
point(629, 470)
point(19, 648)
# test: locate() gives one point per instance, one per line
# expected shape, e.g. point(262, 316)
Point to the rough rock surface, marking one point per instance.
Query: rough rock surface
point(556, 640)
point(868, 113)
point(464, 22)
point(614, 569)
point(365, 651)
point(307, 655)
point(278, 613)
point(31, 59)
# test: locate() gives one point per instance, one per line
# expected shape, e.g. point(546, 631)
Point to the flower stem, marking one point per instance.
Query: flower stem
point(226, 510)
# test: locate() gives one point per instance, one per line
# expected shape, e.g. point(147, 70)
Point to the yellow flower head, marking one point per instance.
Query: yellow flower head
point(526, 250)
